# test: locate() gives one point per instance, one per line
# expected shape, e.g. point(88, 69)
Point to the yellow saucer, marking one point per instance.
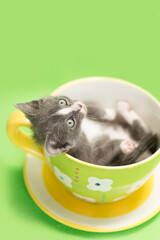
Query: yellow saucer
point(50, 195)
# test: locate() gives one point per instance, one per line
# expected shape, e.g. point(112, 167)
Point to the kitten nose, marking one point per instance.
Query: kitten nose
point(77, 106)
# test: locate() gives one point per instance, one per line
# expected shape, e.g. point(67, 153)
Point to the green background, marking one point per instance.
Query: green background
point(47, 43)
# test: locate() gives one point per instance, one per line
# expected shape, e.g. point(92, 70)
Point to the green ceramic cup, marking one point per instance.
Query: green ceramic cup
point(93, 183)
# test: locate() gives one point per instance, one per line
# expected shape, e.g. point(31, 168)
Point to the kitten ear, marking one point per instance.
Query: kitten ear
point(51, 146)
point(29, 107)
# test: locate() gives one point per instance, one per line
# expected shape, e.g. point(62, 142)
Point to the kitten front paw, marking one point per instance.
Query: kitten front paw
point(126, 111)
point(123, 106)
point(127, 146)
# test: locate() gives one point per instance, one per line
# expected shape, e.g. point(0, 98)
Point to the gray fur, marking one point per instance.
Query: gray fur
point(49, 127)
point(52, 131)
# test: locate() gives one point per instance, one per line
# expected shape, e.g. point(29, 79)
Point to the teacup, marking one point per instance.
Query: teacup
point(94, 183)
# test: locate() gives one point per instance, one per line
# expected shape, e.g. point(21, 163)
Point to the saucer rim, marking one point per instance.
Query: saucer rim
point(75, 225)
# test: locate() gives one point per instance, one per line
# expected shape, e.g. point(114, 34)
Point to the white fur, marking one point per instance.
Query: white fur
point(74, 107)
point(110, 114)
point(64, 111)
point(93, 129)
point(129, 114)
point(132, 116)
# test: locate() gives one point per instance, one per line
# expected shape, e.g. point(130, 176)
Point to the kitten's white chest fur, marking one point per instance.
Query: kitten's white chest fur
point(93, 130)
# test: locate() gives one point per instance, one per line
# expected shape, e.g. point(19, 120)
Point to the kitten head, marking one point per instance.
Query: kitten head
point(56, 122)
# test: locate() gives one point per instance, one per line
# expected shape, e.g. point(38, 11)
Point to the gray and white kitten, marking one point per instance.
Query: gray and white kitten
point(89, 132)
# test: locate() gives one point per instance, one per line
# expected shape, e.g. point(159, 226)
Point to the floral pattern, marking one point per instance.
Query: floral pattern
point(138, 184)
point(102, 185)
point(88, 199)
point(63, 177)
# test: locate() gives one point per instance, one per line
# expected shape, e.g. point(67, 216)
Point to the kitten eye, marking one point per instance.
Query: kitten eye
point(62, 102)
point(70, 122)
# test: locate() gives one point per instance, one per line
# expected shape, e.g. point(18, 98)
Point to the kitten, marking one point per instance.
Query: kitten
point(89, 132)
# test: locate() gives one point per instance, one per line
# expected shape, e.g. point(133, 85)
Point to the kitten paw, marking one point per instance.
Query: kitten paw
point(126, 111)
point(127, 146)
point(123, 106)
point(110, 114)
point(129, 115)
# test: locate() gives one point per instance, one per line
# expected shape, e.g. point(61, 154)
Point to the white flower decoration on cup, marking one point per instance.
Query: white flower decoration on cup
point(88, 199)
point(135, 186)
point(63, 177)
point(102, 185)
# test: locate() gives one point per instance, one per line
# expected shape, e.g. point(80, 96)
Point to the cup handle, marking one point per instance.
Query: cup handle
point(21, 139)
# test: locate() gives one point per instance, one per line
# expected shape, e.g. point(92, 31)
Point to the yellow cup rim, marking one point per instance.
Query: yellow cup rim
point(89, 79)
